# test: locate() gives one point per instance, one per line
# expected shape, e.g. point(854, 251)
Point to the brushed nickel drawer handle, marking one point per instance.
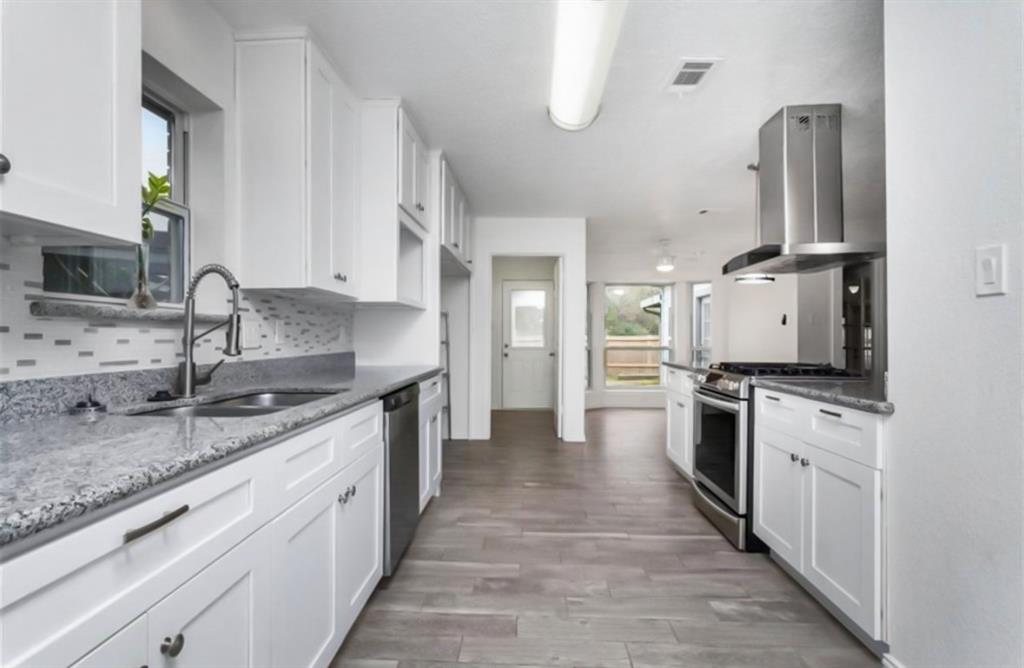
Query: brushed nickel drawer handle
point(155, 524)
point(838, 416)
point(771, 398)
point(172, 648)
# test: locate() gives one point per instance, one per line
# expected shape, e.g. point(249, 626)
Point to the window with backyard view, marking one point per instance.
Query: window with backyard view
point(637, 334)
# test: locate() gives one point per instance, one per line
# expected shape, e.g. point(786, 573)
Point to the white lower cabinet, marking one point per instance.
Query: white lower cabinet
point(431, 438)
point(821, 513)
point(360, 531)
point(679, 430)
point(126, 649)
point(305, 572)
point(779, 495)
point(221, 617)
point(843, 532)
point(264, 562)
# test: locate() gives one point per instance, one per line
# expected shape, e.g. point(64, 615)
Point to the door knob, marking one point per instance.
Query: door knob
point(172, 648)
point(5, 164)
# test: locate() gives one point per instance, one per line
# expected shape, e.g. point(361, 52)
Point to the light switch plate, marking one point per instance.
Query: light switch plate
point(990, 270)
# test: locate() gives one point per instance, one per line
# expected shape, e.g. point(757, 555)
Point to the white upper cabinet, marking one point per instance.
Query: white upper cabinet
point(298, 165)
point(393, 222)
point(70, 106)
point(413, 172)
point(456, 223)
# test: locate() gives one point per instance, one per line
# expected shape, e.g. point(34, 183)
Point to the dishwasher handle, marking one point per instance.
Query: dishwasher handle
point(403, 397)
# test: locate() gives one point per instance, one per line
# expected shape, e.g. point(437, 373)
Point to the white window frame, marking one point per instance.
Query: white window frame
point(698, 293)
point(666, 334)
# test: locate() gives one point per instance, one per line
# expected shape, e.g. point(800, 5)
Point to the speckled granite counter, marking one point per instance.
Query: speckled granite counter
point(60, 468)
point(861, 395)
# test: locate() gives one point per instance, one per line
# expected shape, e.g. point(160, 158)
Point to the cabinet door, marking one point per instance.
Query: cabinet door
point(221, 617)
point(436, 451)
point(333, 121)
point(407, 165)
point(447, 192)
point(126, 649)
point(360, 536)
point(71, 104)
point(778, 494)
point(460, 221)
point(676, 427)
point(422, 185)
point(425, 479)
point(842, 548)
point(305, 570)
point(684, 406)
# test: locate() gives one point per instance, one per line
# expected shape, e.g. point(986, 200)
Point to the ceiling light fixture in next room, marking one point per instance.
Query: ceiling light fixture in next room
point(585, 37)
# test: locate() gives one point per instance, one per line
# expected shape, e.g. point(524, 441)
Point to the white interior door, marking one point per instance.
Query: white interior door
point(528, 346)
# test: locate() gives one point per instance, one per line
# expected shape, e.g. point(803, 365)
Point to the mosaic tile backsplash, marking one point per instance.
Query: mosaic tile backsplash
point(35, 347)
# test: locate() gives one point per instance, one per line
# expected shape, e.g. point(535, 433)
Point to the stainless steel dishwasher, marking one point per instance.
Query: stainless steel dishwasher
point(401, 473)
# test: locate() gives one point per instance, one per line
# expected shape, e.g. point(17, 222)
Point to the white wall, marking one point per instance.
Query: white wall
point(511, 269)
point(746, 320)
point(954, 480)
point(551, 237)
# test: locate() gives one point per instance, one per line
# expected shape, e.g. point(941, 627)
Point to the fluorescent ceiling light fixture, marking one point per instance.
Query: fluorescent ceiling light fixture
point(755, 279)
point(585, 38)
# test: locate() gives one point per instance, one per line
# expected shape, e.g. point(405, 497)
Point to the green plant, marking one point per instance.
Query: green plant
point(155, 189)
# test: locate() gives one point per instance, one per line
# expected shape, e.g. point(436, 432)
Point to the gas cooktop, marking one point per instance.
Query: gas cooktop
point(782, 369)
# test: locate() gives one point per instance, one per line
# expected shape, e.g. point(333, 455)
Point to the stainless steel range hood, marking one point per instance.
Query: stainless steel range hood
point(800, 202)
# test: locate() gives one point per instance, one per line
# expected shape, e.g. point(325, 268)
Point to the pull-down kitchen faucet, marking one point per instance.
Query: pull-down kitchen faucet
point(188, 378)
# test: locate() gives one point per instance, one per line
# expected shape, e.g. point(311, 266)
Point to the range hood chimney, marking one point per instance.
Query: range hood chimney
point(800, 181)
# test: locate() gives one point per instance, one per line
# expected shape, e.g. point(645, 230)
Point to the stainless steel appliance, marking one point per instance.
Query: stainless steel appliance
point(723, 442)
point(401, 473)
point(800, 193)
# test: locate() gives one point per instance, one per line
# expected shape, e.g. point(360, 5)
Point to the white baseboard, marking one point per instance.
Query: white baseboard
point(891, 662)
point(625, 398)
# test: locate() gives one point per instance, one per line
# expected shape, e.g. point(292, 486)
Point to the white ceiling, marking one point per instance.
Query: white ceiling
point(476, 76)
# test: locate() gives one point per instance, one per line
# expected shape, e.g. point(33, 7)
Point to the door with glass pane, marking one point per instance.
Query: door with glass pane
point(528, 346)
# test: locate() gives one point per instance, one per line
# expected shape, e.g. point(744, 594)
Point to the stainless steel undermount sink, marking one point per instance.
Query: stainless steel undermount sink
point(248, 405)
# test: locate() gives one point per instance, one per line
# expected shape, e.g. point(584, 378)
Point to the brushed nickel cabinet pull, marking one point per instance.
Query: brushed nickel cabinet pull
point(155, 524)
point(793, 457)
point(5, 164)
point(838, 416)
point(805, 462)
point(771, 398)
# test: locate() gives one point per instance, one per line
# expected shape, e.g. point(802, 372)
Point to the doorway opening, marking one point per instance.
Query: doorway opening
point(526, 334)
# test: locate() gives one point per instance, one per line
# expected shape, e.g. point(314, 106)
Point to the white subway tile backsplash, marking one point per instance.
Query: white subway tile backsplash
point(36, 347)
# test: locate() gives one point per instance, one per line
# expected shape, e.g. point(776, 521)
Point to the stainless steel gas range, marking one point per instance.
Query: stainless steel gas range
point(723, 442)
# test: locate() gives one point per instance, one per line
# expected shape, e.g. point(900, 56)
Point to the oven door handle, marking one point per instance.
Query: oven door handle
point(717, 403)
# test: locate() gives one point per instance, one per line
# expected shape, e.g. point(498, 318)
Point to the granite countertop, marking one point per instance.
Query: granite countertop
point(62, 468)
point(861, 395)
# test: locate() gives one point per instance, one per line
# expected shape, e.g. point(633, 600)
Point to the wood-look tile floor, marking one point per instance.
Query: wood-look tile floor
point(540, 553)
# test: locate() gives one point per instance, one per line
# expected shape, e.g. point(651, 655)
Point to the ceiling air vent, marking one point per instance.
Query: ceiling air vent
point(690, 73)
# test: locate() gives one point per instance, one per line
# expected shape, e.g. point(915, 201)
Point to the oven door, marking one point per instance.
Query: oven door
point(720, 447)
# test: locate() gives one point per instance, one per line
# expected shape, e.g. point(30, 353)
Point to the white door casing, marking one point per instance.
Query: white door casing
point(528, 345)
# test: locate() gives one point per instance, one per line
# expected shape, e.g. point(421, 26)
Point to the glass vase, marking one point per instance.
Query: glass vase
point(142, 298)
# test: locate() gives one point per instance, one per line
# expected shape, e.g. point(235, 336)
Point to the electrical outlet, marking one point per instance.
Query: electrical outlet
point(252, 334)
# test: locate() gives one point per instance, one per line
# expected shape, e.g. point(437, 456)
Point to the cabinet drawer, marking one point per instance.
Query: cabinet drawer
point(430, 388)
point(305, 461)
point(677, 380)
point(780, 411)
point(851, 434)
point(60, 598)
